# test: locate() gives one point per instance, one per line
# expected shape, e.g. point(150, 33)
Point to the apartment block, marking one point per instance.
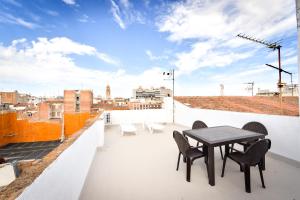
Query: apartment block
point(142, 104)
point(78, 101)
point(50, 109)
point(152, 93)
point(9, 97)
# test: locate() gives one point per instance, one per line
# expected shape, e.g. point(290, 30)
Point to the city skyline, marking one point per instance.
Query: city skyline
point(49, 46)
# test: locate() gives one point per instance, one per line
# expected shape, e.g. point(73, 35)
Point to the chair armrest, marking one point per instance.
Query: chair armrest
point(233, 149)
point(199, 147)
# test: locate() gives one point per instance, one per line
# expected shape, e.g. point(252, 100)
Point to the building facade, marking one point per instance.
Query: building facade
point(290, 90)
point(144, 105)
point(152, 93)
point(9, 97)
point(78, 101)
point(50, 109)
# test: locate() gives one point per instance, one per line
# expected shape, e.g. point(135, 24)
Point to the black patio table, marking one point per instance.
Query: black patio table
point(217, 136)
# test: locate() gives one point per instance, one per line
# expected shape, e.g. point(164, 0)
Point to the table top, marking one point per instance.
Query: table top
point(220, 135)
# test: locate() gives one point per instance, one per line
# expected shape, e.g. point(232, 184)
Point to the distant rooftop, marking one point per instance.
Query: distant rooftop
point(255, 104)
point(27, 150)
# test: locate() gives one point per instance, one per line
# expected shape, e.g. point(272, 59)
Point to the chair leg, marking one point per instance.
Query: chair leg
point(245, 148)
point(263, 163)
point(206, 164)
point(224, 163)
point(221, 152)
point(260, 167)
point(188, 169)
point(197, 144)
point(178, 161)
point(241, 168)
point(247, 178)
point(232, 145)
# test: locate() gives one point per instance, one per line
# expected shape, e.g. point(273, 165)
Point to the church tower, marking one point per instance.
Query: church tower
point(108, 92)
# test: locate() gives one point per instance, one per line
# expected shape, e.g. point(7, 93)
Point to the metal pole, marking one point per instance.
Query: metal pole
point(252, 87)
point(62, 136)
point(292, 84)
point(279, 81)
point(173, 96)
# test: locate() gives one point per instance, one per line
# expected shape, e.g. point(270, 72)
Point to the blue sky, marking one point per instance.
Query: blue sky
point(48, 46)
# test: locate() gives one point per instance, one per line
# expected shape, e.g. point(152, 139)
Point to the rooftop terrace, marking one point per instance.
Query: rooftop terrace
point(106, 165)
point(143, 166)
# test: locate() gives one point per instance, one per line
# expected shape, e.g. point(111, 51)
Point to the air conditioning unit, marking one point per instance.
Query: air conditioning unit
point(107, 118)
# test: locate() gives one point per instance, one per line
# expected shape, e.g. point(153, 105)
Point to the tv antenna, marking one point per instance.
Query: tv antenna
point(221, 89)
point(250, 86)
point(291, 74)
point(274, 46)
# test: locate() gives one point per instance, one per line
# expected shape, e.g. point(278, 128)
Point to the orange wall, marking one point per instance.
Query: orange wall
point(7, 127)
point(73, 122)
point(36, 131)
point(14, 131)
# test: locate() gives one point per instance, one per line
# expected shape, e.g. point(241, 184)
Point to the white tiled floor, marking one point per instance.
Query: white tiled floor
point(143, 166)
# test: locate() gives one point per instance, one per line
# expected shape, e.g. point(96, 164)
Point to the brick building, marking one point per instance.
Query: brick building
point(50, 109)
point(9, 97)
point(78, 101)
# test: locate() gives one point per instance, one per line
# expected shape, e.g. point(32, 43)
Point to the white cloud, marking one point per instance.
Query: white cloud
point(125, 3)
point(13, 2)
point(11, 19)
point(108, 59)
point(52, 13)
point(212, 26)
point(292, 60)
point(153, 57)
point(64, 46)
point(224, 19)
point(84, 18)
point(69, 2)
point(124, 13)
point(44, 67)
point(242, 75)
point(117, 15)
point(206, 54)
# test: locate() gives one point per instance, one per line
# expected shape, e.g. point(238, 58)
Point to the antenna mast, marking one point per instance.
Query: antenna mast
point(251, 84)
point(274, 46)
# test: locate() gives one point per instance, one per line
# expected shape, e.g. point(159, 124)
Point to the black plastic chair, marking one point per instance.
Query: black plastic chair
point(253, 156)
point(255, 127)
point(200, 124)
point(189, 153)
point(2, 160)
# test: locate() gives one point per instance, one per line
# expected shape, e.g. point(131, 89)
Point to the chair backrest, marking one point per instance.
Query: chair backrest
point(199, 124)
point(257, 151)
point(181, 141)
point(2, 160)
point(256, 127)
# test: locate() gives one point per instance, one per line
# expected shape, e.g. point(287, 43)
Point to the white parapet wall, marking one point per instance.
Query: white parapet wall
point(284, 131)
point(65, 177)
point(163, 115)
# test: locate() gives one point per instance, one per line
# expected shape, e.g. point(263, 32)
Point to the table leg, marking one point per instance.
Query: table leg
point(205, 151)
point(211, 166)
point(247, 178)
point(225, 158)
